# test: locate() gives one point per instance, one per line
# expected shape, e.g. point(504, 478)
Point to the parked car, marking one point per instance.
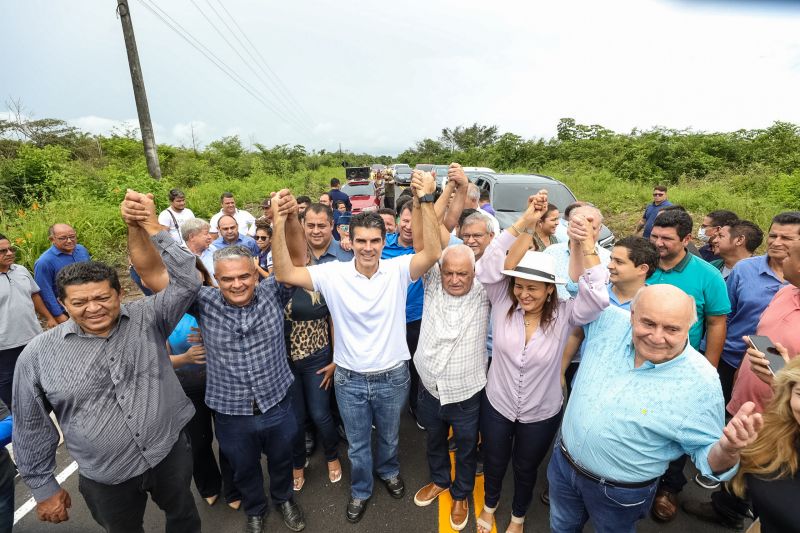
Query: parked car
point(479, 169)
point(441, 175)
point(402, 173)
point(425, 167)
point(364, 195)
point(508, 194)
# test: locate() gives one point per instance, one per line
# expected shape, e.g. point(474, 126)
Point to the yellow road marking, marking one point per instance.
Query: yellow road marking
point(446, 501)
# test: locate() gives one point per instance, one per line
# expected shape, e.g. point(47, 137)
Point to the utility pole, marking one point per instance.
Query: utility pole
point(148, 139)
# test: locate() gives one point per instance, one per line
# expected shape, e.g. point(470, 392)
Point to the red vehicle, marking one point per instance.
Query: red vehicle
point(364, 195)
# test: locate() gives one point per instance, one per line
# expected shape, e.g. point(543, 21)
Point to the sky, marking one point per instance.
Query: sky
point(378, 76)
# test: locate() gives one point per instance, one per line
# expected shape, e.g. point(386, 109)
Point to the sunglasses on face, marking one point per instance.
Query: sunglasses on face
point(261, 237)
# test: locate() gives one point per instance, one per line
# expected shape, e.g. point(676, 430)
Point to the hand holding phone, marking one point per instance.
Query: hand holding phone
point(774, 356)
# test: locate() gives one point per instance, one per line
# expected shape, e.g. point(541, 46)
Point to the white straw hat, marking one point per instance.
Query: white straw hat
point(536, 266)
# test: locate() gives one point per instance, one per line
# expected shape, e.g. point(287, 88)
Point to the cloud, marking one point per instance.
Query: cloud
point(103, 125)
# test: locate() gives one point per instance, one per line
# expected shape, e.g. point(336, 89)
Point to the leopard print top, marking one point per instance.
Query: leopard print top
point(306, 336)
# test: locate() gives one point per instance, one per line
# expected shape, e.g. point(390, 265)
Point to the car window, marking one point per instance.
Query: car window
point(365, 189)
point(514, 196)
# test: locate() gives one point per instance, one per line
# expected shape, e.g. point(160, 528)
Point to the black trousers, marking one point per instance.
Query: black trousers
point(726, 374)
point(412, 339)
point(120, 508)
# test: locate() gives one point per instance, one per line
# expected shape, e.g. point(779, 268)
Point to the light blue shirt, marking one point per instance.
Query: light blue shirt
point(751, 286)
point(560, 251)
point(242, 240)
point(627, 424)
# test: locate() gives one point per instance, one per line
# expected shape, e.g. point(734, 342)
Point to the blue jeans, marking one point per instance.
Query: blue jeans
point(366, 399)
point(307, 396)
point(437, 418)
point(525, 445)
point(244, 438)
point(574, 499)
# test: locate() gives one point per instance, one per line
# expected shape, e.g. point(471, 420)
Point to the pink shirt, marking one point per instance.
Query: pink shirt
point(524, 379)
point(780, 322)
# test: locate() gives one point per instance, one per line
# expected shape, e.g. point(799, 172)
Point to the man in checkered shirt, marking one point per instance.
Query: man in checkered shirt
point(451, 360)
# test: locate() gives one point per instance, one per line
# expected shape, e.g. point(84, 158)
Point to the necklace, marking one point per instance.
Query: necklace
point(529, 321)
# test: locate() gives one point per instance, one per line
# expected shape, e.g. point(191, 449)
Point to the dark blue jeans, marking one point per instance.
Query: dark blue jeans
point(244, 438)
point(8, 362)
point(309, 398)
point(574, 499)
point(365, 399)
point(525, 445)
point(7, 473)
point(464, 417)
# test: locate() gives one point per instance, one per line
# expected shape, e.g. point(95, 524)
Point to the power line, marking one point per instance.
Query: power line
point(290, 112)
point(266, 68)
point(219, 63)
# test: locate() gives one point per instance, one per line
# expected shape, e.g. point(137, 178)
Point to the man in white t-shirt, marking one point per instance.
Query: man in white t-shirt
point(367, 301)
point(244, 219)
point(173, 217)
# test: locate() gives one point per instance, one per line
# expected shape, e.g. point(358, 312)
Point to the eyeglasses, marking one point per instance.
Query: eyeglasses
point(261, 237)
point(658, 194)
point(9, 250)
point(65, 238)
point(467, 236)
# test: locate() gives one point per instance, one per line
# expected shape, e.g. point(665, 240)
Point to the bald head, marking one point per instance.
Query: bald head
point(228, 228)
point(661, 316)
point(63, 237)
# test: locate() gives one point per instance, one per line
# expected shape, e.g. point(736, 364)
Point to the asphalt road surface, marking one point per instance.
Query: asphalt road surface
point(324, 503)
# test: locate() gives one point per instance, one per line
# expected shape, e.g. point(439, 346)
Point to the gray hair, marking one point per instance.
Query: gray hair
point(458, 249)
point(578, 209)
point(689, 299)
point(192, 227)
point(473, 193)
point(232, 252)
point(478, 218)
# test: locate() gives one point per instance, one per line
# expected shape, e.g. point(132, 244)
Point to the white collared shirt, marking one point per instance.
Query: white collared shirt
point(243, 218)
point(369, 314)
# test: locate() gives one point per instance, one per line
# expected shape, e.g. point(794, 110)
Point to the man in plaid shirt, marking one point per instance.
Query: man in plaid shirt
point(451, 360)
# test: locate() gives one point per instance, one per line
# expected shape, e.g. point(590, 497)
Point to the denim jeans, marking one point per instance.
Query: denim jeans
point(7, 473)
point(526, 445)
point(244, 438)
point(120, 508)
point(206, 473)
point(574, 499)
point(437, 418)
point(366, 399)
point(309, 399)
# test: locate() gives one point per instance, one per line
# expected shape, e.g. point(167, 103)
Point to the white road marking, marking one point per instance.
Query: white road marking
point(29, 505)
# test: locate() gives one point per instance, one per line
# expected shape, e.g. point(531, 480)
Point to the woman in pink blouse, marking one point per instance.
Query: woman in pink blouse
point(522, 409)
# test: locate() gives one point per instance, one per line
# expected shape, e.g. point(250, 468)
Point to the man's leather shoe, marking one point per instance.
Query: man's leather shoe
point(459, 514)
point(355, 509)
point(255, 524)
point(665, 506)
point(292, 515)
point(395, 486)
point(705, 511)
point(428, 494)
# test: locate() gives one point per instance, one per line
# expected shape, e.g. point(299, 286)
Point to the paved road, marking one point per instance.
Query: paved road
point(324, 503)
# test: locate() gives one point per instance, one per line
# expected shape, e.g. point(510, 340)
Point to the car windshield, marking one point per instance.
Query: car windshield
point(403, 170)
point(514, 196)
point(441, 170)
point(402, 166)
point(424, 167)
point(361, 189)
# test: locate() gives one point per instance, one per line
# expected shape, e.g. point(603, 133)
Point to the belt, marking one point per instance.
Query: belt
point(598, 479)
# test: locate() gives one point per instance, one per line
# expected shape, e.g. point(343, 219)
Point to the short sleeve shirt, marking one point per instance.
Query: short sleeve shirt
point(650, 214)
point(16, 288)
point(173, 220)
point(369, 327)
point(416, 291)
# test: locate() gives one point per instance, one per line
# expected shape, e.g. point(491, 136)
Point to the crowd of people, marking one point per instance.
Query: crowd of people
point(310, 324)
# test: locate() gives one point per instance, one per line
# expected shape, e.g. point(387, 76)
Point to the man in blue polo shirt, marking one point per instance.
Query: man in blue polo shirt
point(671, 233)
point(651, 211)
point(337, 195)
point(64, 251)
point(318, 228)
point(229, 236)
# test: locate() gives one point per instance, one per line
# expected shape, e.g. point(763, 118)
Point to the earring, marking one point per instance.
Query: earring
point(548, 297)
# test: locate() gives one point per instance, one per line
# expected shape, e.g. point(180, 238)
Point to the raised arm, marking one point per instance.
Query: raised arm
point(456, 174)
point(423, 184)
point(284, 268)
point(584, 264)
point(524, 227)
point(582, 246)
point(143, 254)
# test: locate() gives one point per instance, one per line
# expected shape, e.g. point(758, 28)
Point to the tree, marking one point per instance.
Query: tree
point(467, 138)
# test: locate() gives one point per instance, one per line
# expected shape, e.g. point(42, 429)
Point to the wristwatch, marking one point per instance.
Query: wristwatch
point(426, 198)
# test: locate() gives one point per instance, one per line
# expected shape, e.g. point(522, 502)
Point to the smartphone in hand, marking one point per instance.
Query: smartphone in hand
point(764, 345)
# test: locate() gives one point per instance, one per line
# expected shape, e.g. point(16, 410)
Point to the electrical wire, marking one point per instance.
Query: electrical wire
point(219, 63)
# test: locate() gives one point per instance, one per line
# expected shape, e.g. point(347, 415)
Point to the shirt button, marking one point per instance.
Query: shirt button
point(112, 358)
point(137, 434)
point(130, 416)
point(144, 448)
point(122, 397)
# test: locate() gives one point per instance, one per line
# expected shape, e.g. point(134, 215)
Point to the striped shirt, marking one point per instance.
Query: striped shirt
point(451, 356)
point(116, 398)
point(246, 352)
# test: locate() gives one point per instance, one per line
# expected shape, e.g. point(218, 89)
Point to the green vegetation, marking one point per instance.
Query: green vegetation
point(51, 172)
